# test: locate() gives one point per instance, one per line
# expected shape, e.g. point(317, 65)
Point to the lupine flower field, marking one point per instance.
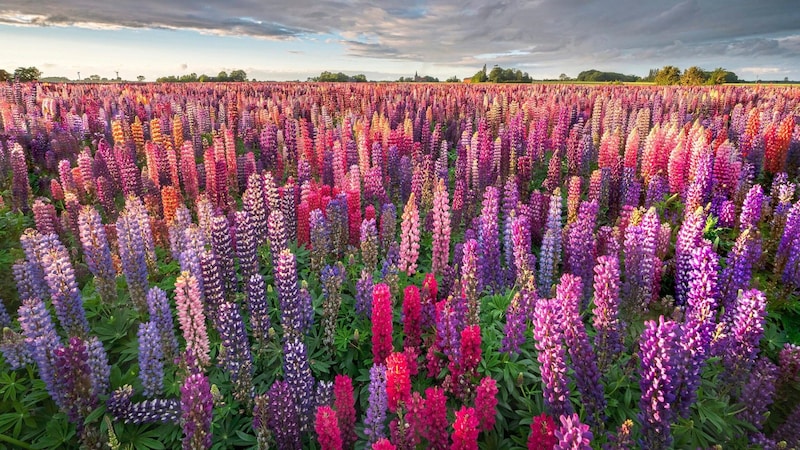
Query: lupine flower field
point(396, 266)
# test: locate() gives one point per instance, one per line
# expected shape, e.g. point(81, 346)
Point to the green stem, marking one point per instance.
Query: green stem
point(13, 441)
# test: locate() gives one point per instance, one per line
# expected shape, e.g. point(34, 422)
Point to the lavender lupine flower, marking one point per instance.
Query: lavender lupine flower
point(739, 268)
point(583, 357)
point(324, 394)
point(246, 244)
point(258, 308)
point(234, 356)
point(297, 373)
point(97, 253)
point(331, 279)
point(161, 316)
point(548, 319)
point(60, 278)
point(193, 245)
point(757, 394)
point(641, 260)
point(14, 349)
point(375, 419)
point(133, 259)
point(606, 321)
point(100, 371)
point(689, 236)
point(23, 278)
point(581, 246)
point(196, 412)
point(253, 202)
point(320, 239)
point(751, 208)
point(788, 252)
point(120, 406)
point(364, 293)
point(30, 241)
point(151, 359)
point(41, 339)
point(572, 434)
point(223, 249)
point(276, 413)
point(278, 232)
point(550, 255)
point(789, 363)
point(746, 330)
point(491, 274)
point(409, 237)
point(369, 244)
point(661, 359)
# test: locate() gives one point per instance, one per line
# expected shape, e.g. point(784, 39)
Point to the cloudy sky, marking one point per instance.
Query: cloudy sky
point(284, 40)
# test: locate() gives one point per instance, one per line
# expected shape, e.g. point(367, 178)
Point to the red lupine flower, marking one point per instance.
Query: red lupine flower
point(398, 381)
point(327, 429)
point(381, 323)
point(465, 430)
point(486, 403)
point(543, 436)
point(412, 310)
point(345, 409)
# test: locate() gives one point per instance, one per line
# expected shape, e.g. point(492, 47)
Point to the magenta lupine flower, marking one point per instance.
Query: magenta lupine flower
point(583, 357)
point(757, 393)
point(751, 208)
point(412, 316)
point(276, 412)
point(572, 434)
point(223, 249)
point(661, 359)
point(97, 253)
point(550, 255)
point(41, 339)
point(486, 403)
point(64, 293)
point(192, 319)
point(151, 359)
point(548, 319)
point(465, 430)
point(409, 238)
point(258, 308)
point(133, 259)
point(161, 315)
point(235, 356)
point(196, 412)
point(44, 214)
point(606, 321)
point(490, 270)
point(369, 244)
point(441, 228)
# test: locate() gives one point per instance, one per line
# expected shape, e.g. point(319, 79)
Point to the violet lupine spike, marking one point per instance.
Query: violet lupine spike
point(137, 211)
point(661, 360)
point(751, 208)
point(44, 214)
point(161, 315)
point(450, 321)
point(246, 244)
point(196, 412)
point(20, 187)
point(14, 349)
point(73, 381)
point(547, 322)
point(582, 355)
point(293, 314)
point(441, 228)
point(64, 293)
point(369, 244)
point(278, 414)
point(388, 226)
point(572, 434)
point(757, 394)
point(516, 323)
point(610, 328)
point(133, 259)
point(375, 419)
point(41, 339)
point(30, 241)
point(278, 232)
point(213, 290)
point(746, 331)
point(100, 370)
point(234, 355)
point(524, 261)
point(23, 278)
point(258, 308)
point(689, 236)
point(470, 279)
point(364, 287)
point(581, 247)
point(297, 373)
point(192, 319)
point(151, 359)
point(409, 237)
point(121, 408)
point(97, 253)
point(550, 255)
point(490, 269)
point(223, 249)
point(701, 299)
point(320, 239)
point(331, 278)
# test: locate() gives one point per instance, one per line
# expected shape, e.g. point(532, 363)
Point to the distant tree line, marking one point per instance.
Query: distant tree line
point(330, 77)
point(693, 76)
point(594, 75)
point(235, 76)
point(500, 75)
point(23, 73)
point(418, 79)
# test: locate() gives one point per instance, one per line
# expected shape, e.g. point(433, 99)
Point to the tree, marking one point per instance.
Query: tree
point(238, 75)
point(453, 79)
point(668, 75)
point(693, 76)
point(27, 73)
point(480, 76)
point(222, 76)
point(4, 76)
point(140, 78)
point(564, 77)
point(721, 76)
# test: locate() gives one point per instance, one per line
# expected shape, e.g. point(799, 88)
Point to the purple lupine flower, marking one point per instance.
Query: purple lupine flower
point(297, 373)
point(278, 232)
point(73, 381)
point(292, 312)
point(323, 395)
point(491, 273)
point(470, 279)
point(661, 359)
point(441, 228)
point(583, 357)
point(60, 278)
point(30, 241)
point(161, 316)
point(789, 362)
point(275, 411)
point(14, 349)
point(193, 245)
point(97, 253)
point(289, 209)
point(23, 278)
point(369, 244)
point(364, 293)
point(133, 259)
point(246, 244)
point(99, 369)
point(375, 419)
point(41, 339)
point(452, 319)
point(223, 249)
point(788, 252)
point(606, 321)
point(253, 202)
point(331, 278)
point(137, 212)
point(621, 440)
point(548, 319)
point(581, 247)
point(746, 330)
point(320, 239)
point(5, 319)
point(751, 208)
point(524, 261)
point(213, 290)
point(789, 431)
point(757, 394)
point(151, 359)
point(689, 236)
point(739, 268)
point(234, 356)
point(336, 212)
point(388, 226)
point(516, 323)
point(121, 407)
point(258, 308)
point(550, 254)
point(572, 434)
point(196, 412)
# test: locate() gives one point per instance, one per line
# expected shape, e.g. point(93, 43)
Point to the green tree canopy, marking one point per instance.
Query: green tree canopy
point(27, 73)
point(4, 76)
point(668, 75)
point(693, 76)
point(330, 77)
point(598, 76)
point(238, 75)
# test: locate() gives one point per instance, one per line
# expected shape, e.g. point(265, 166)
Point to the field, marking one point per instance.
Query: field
point(314, 265)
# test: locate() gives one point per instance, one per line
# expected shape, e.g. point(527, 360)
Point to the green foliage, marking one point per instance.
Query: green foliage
point(500, 75)
point(480, 76)
point(27, 73)
point(453, 79)
point(693, 76)
point(330, 77)
point(235, 76)
point(4, 76)
point(594, 75)
point(12, 224)
point(668, 75)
